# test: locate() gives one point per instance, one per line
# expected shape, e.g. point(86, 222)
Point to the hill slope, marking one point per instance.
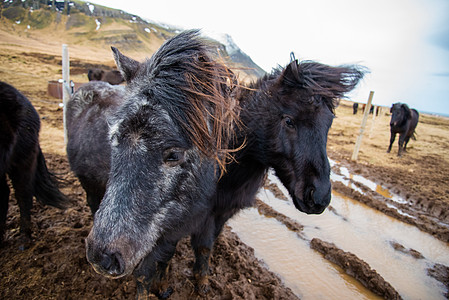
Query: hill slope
point(90, 30)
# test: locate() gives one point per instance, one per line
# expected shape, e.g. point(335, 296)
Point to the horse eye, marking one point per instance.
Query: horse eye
point(173, 156)
point(289, 122)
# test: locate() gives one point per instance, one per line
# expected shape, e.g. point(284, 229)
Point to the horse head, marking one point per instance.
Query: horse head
point(400, 113)
point(166, 142)
point(305, 95)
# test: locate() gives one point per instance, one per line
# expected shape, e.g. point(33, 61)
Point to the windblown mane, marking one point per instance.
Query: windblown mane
point(319, 81)
point(196, 90)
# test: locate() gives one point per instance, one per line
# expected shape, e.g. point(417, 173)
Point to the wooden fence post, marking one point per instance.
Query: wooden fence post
point(362, 127)
point(66, 92)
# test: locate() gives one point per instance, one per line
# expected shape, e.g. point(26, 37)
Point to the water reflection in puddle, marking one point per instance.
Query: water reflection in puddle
point(345, 176)
point(355, 228)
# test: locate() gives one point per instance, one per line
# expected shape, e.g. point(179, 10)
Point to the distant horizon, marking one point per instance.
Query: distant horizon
point(446, 115)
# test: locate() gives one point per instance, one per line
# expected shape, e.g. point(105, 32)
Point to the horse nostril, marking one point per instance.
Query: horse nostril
point(105, 262)
point(112, 263)
point(308, 196)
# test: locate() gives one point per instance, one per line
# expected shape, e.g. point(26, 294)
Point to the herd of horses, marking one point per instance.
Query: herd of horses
point(177, 151)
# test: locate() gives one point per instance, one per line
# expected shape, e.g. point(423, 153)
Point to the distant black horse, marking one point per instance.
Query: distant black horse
point(160, 145)
point(113, 77)
point(22, 160)
point(355, 107)
point(403, 121)
point(285, 121)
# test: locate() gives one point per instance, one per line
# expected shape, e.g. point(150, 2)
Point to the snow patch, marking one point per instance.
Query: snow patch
point(98, 24)
point(91, 7)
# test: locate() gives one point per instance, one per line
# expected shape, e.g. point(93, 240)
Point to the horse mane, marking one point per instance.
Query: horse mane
point(197, 90)
point(321, 82)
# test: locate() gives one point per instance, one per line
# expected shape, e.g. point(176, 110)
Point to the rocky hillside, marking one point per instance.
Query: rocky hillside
point(82, 24)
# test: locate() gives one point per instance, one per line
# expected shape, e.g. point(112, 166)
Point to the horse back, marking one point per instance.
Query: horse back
point(113, 77)
point(19, 126)
point(88, 115)
point(414, 119)
point(412, 123)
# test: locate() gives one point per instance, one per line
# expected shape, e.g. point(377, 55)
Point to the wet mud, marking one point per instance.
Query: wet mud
point(269, 212)
point(357, 268)
point(441, 273)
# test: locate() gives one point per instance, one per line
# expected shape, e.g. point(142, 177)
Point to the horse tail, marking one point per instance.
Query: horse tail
point(45, 185)
point(414, 134)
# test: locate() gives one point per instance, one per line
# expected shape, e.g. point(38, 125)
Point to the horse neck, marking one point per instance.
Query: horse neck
point(255, 118)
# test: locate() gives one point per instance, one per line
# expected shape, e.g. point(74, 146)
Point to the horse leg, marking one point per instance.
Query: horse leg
point(160, 285)
point(93, 199)
point(392, 138)
point(23, 188)
point(4, 199)
point(152, 275)
point(94, 193)
point(407, 139)
point(143, 277)
point(202, 243)
point(401, 144)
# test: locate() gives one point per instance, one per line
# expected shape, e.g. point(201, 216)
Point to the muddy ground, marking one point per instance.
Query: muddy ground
point(55, 267)
point(420, 176)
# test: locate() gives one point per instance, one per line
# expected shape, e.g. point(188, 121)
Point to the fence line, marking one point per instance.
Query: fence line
point(66, 92)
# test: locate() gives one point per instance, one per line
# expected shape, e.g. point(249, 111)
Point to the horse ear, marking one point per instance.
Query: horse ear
point(127, 66)
point(290, 75)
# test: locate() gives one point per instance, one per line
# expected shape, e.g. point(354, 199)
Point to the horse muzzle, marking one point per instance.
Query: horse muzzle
point(106, 263)
point(313, 200)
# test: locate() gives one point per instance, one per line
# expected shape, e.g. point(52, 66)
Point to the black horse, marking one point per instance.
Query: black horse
point(403, 121)
point(160, 146)
point(355, 107)
point(285, 118)
point(22, 160)
point(113, 77)
point(89, 114)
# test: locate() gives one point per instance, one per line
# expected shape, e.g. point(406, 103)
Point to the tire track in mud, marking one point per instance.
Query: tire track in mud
point(356, 268)
point(434, 219)
point(349, 262)
point(427, 216)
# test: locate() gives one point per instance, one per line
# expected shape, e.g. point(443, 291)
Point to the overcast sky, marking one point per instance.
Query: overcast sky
point(405, 43)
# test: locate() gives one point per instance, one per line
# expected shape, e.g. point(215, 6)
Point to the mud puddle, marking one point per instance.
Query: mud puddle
point(399, 252)
point(344, 175)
